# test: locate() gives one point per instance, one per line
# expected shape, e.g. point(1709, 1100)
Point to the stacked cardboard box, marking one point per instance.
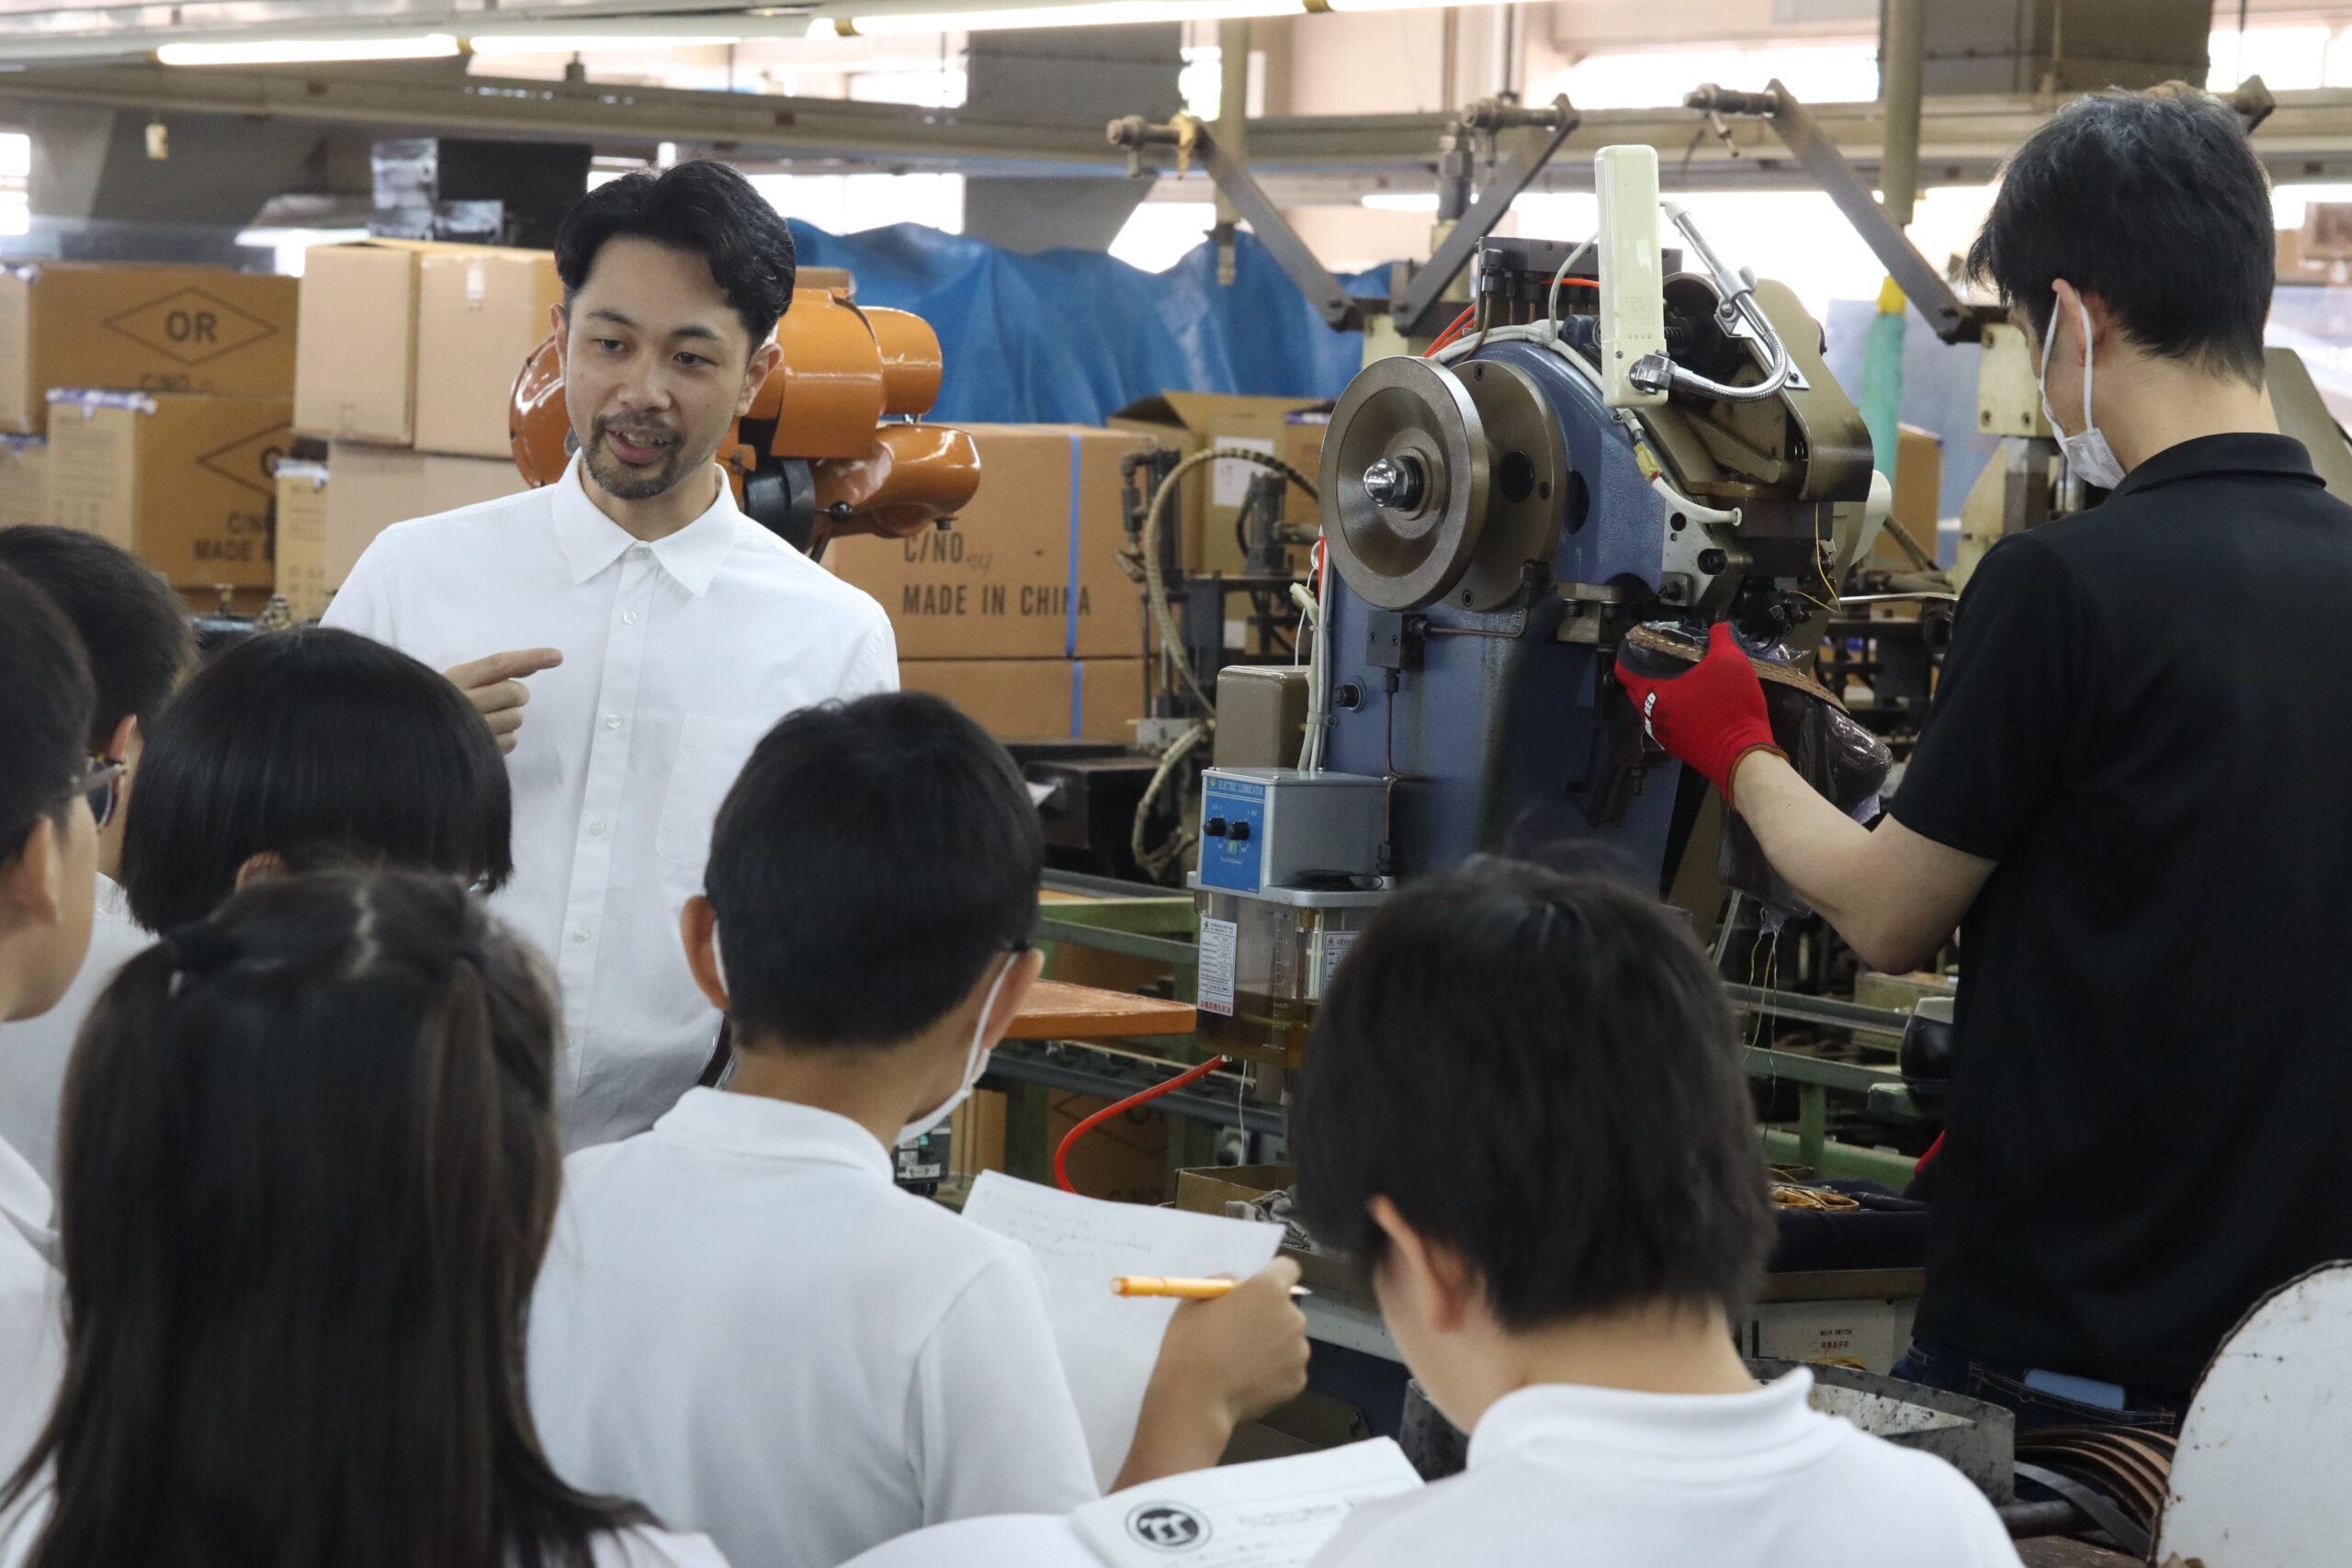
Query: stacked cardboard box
point(1020, 612)
point(162, 395)
point(1288, 428)
point(410, 354)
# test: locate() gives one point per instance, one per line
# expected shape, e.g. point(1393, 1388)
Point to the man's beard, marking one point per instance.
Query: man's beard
point(626, 481)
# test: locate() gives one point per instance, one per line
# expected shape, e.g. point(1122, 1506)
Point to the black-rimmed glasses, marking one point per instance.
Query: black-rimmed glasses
point(102, 787)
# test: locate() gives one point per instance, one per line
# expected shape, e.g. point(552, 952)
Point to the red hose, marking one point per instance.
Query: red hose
point(1061, 1154)
point(1452, 328)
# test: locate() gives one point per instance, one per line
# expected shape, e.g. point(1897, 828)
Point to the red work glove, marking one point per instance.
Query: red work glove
point(1710, 715)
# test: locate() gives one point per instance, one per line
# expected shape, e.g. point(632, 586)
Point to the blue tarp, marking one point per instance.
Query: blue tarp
point(1071, 336)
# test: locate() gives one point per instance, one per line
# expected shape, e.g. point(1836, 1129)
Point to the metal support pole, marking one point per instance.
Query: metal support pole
point(1901, 51)
point(1813, 1125)
point(1232, 131)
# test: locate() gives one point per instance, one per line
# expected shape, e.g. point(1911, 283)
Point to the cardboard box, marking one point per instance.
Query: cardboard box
point(183, 480)
point(1919, 491)
point(371, 488)
point(24, 479)
point(301, 534)
point(1192, 422)
point(414, 344)
point(1029, 571)
point(1037, 699)
point(164, 328)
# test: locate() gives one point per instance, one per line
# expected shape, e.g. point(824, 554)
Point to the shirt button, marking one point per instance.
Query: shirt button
point(596, 830)
point(612, 721)
point(579, 935)
point(628, 618)
point(639, 552)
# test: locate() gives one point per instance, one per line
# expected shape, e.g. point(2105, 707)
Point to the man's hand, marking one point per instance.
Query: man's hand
point(494, 685)
point(1711, 716)
point(1222, 1362)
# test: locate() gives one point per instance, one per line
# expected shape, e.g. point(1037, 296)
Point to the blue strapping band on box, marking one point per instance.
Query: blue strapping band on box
point(1077, 698)
point(1069, 619)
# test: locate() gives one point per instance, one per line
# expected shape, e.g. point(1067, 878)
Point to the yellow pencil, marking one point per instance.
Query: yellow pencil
point(1182, 1289)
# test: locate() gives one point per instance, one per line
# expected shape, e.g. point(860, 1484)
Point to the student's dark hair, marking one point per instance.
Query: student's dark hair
point(46, 700)
point(871, 861)
point(1538, 1071)
point(701, 207)
point(2153, 203)
point(134, 628)
point(322, 748)
point(309, 1166)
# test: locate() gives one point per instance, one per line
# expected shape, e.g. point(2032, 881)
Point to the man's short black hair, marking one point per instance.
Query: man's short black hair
point(871, 861)
point(2154, 203)
point(134, 628)
point(703, 207)
point(46, 699)
point(325, 748)
point(1540, 1072)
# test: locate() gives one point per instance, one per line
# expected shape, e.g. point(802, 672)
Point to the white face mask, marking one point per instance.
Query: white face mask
point(976, 1060)
point(2087, 453)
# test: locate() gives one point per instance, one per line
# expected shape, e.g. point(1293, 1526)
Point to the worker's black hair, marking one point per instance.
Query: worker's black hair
point(871, 861)
point(319, 747)
point(46, 700)
point(134, 628)
point(2155, 203)
point(1540, 1072)
point(702, 206)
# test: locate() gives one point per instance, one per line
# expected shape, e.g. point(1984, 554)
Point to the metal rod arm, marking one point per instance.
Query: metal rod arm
point(1416, 308)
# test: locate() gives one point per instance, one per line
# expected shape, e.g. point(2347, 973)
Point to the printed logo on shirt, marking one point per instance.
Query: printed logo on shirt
point(1168, 1526)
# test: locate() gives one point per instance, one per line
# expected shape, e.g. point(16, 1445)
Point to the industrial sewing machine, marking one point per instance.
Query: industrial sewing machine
point(1617, 435)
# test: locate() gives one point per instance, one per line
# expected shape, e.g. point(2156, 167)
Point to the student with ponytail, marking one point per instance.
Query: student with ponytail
point(308, 1170)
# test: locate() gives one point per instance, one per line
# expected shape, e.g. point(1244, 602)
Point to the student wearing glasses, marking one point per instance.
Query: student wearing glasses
point(47, 876)
point(135, 632)
point(306, 749)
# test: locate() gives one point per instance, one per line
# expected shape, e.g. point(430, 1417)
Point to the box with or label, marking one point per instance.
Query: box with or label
point(1037, 699)
point(181, 480)
point(414, 343)
point(371, 488)
point(1192, 422)
point(24, 479)
point(1029, 571)
point(302, 538)
point(158, 329)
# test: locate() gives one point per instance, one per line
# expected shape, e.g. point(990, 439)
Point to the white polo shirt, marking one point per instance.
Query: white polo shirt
point(32, 1343)
point(678, 656)
point(745, 1324)
point(33, 1051)
point(1561, 1472)
point(1007, 1540)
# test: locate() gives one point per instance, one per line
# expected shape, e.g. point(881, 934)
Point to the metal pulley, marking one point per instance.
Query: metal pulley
point(1441, 483)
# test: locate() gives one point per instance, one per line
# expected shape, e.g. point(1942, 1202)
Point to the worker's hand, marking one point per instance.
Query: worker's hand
point(494, 685)
point(1245, 1351)
point(1710, 715)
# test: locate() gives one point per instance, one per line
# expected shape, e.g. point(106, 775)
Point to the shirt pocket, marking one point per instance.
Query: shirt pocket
point(711, 751)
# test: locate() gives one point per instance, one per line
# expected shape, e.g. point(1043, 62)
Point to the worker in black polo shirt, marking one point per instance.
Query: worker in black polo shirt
point(2132, 797)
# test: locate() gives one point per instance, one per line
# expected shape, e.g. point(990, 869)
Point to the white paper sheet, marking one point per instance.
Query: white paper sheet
point(1109, 1343)
point(1274, 1513)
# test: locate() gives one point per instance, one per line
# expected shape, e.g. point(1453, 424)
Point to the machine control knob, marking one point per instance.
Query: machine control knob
point(1394, 482)
point(1238, 832)
point(1214, 826)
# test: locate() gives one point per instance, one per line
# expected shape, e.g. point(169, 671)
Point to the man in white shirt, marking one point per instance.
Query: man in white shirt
point(661, 630)
point(742, 1320)
point(48, 870)
point(136, 633)
point(1523, 1115)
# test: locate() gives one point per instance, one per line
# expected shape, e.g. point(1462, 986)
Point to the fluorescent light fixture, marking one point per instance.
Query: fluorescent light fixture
point(1059, 13)
point(1402, 201)
point(308, 52)
point(491, 45)
point(1408, 5)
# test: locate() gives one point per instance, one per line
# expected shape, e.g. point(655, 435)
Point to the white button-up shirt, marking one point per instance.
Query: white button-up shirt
point(33, 1342)
point(678, 654)
point(745, 1324)
point(1560, 1472)
point(33, 1051)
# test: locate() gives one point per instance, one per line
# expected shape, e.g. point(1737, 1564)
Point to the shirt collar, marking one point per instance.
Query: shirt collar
point(775, 1129)
point(1617, 1420)
point(2238, 452)
point(592, 541)
point(113, 903)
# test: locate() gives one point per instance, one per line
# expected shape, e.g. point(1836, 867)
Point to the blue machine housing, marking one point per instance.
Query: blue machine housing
point(1497, 737)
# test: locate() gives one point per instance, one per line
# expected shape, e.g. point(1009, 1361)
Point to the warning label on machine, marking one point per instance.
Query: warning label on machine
point(1219, 939)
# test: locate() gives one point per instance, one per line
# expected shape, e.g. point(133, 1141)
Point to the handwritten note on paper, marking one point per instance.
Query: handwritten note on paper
point(1109, 1343)
point(1274, 1513)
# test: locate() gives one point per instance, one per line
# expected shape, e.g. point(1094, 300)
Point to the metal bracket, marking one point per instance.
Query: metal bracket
point(1416, 310)
point(1954, 320)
